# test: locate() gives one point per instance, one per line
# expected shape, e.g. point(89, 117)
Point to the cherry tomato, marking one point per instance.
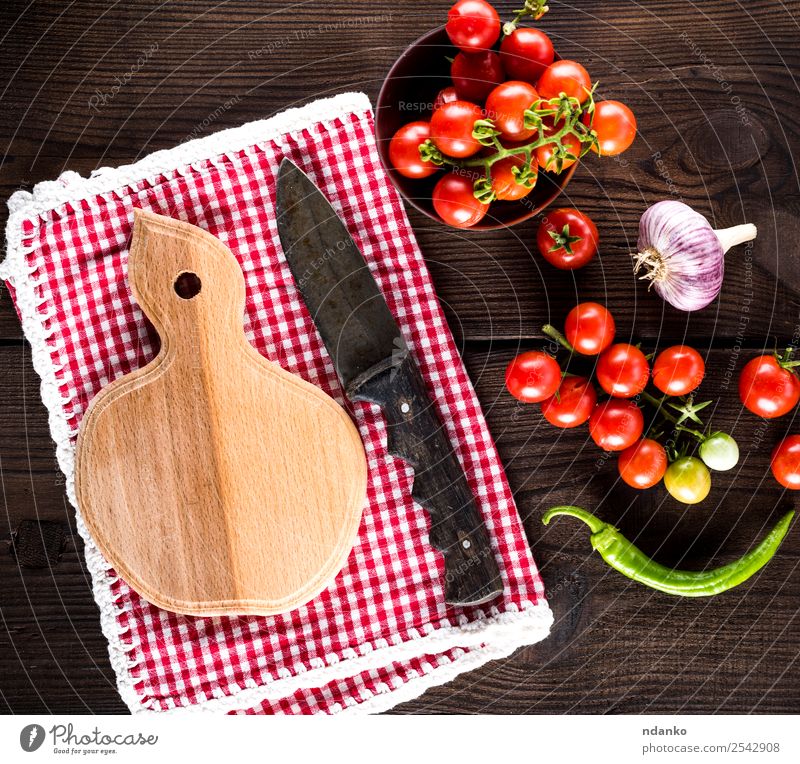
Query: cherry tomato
point(404, 150)
point(475, 75)
point(567, 77)
point(616, 424)
point(546, 153)
point(767, 389)
point(572, 405)
point(533, 376)
point(643, 464)
point(473, 25)
point(455, 203)
point(589, 328)
point(506, 107)
point(567, 238)
point(445, 95)
point(615, 126)
point(688, 480)
point(678, 370)
point(526, 53)
point(785, 462)
point(623, 371)
point(451, 128)
point(719, 451)
point(505, 184)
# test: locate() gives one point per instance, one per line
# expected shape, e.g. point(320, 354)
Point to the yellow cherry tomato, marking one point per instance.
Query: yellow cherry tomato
point(688, 480)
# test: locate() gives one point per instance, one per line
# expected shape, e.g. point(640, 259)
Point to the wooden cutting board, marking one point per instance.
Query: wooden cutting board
point(212, 480)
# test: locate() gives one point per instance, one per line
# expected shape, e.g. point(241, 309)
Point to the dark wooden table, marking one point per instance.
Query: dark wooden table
point(714, 87)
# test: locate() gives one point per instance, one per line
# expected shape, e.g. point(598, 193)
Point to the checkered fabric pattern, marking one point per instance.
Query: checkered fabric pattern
point(388, 600)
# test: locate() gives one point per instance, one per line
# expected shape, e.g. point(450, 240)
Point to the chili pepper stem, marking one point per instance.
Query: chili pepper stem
point(550, 331)
point(738, 234)
point(595, 523)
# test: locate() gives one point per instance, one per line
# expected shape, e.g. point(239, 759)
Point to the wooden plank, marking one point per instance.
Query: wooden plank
point(615, 647)
point(55, 658)
point(690, 73)
point(495, 285)
point(692, 141)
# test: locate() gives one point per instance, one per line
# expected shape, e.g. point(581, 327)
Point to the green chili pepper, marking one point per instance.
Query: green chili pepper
point(629, 560)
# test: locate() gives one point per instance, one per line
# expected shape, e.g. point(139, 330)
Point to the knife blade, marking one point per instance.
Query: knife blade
point(374, 364)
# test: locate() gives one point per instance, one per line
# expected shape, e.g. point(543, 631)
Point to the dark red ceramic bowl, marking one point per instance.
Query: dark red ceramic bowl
point(407, 95)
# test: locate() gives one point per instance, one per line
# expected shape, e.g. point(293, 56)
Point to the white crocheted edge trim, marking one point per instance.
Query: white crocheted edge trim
point(489, 638)
point(504, 632)
point(71, 187)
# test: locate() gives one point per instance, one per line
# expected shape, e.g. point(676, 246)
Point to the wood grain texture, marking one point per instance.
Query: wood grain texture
point(212, 480)
point(615, 648)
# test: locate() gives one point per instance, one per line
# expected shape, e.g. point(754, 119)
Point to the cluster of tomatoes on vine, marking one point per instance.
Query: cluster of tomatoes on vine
point(508, 114)
point(672, 448)
point(770, 388)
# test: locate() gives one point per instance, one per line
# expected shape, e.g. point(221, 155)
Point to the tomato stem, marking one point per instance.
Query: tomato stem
point(563, 240)
point(504, 152)
point(533, 8)
point(785, 361)
point(660, 409)
point(701, 438)
point(563, 109)
point(550, 331)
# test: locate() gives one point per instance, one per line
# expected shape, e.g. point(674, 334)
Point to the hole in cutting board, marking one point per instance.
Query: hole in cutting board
point(187, 285)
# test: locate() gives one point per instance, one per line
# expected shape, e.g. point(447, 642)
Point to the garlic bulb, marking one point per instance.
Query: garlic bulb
point(682, 255)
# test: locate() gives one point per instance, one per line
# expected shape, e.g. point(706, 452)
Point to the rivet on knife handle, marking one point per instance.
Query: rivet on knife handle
point(417, 435)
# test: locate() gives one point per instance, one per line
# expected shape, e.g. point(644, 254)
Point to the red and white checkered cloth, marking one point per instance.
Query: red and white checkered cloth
point(381, 633)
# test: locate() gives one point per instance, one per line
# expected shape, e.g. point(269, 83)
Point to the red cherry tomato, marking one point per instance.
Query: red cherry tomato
point(533, 376)
point(615, 126)
point(678, 370)
point(616, 424)
point(589, 328)
point(475, 75)
point(785, 462)
point(451, 128)
point(455, 203)
point(643, 464)
point(623, 371)
point(572, 405)
point(473, 25)
point(567, 238)
point(767, 389)
point(404, 150)
point(505, 184)
point(526, 53)
point(445, 95)
point(506, 107)
point(549, 161)
point(567, 77)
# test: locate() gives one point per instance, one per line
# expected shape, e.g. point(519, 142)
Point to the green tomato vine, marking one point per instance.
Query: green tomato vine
point(533, 8)
point(566, 113)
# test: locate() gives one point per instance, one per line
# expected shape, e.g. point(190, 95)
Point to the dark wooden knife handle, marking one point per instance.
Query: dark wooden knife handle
point(417, 435)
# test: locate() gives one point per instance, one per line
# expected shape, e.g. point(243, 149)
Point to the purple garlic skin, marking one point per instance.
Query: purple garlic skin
point(682, 255)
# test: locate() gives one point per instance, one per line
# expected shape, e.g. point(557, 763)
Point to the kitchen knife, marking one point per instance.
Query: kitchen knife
point(374, 364)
